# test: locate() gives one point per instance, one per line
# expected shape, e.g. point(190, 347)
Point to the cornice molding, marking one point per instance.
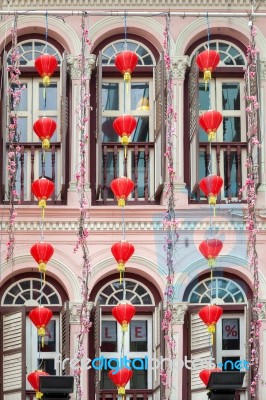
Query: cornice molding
point(128, 4)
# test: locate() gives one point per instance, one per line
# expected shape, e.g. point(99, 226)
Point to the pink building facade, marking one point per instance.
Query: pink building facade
point(141, 221)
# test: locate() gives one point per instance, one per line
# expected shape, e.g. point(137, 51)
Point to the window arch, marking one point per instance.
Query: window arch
point(30, 292)
point(136, 293)
point(230, 54)
point(109, 52)
point(221, 290)
point(29, 50)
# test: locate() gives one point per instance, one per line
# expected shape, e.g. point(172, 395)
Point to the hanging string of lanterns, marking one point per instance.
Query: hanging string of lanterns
point(123, 125)
point(42, 189)
point(210, 122)
point(210, 249)
point(207, 61)
point(210, 315)
point(206, 373)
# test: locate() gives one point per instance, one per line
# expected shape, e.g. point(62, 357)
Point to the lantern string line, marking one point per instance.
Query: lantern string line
point(125, 30)
point(208, 30)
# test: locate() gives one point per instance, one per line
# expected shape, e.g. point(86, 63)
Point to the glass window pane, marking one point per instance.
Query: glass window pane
point(231, 96)
point(110, 96)
point(22, 126)
point(204, 96)
point(48, 97)
point(109, 134)
point(231, 129)
point(106, 382)
point(230, 363)
point(49, 338)
point(139, 379)
point(23, 103)
point(140, 96)
point(141, 133)
point(138, 335)
point(47, 365)
point(230, 334)
point(109, 336)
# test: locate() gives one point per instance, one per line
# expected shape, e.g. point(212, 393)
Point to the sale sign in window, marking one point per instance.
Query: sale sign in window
point(230, 334)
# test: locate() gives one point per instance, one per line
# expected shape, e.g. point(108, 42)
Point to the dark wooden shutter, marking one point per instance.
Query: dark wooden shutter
point(13, 360)
point(4, 104)
point(99, 164)
point(97, 346)
point(64, 128)
point(65, 338)
point(193, 93)
point(159, 124)
point(199, 350)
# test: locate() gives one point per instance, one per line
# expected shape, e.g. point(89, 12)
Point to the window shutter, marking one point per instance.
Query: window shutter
point(199, 351)
point(158, 349)
point(97, 345)
point(193, 108)
point(63, 128)
point(4, 123)
point(65, 339)
point(13, 361)
point(99, 168)
point(159, 124)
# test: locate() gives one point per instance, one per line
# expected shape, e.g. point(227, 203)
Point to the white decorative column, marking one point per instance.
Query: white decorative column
point(179, 311)
point(263, 350)
point(74, 320)
point(73, 65)
point(261, 199)
point(179, 66)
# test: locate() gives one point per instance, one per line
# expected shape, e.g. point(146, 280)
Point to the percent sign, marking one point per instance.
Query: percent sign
point(231, 330)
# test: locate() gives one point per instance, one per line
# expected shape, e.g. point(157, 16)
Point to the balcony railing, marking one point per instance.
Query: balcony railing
point(228, 161)
point(30, 166)
point(136, 161)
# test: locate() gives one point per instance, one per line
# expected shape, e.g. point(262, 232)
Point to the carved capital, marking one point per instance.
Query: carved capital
point(74, 311)
point(263, 68)
point(179, 310)
point(179, 65)
point(74, 69)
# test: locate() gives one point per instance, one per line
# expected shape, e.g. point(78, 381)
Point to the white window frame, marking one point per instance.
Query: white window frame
point(127, 352)
point(32, 353)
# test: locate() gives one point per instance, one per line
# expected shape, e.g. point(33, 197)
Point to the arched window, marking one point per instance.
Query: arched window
point(31, 49)
point(22, 348)
point(144, 333)
point(30, 292)
point(36, 101)
point(224, 93)
point(141, 98)
point(144, 54)
point(135, 292)
point(217, 290)
point(229, 350)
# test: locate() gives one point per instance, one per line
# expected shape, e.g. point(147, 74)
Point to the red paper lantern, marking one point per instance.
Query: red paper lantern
point(207, 61)
point(122, 251)
point(211, 186)
point(123, 312)
point(34, 381)
point(124, 126)
point(120, 379)
point(122, 187)
point(210, 314)
point(210, 249)
point(42, 252)
point(42, 189)
point(206, 373)
point(46, 65)
point(44, 128)
point(210, 122)
point(40, 317)
point(126, 62)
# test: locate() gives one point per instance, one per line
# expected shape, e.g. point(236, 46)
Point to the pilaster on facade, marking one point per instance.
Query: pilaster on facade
point(179, 66)
point(74, 311)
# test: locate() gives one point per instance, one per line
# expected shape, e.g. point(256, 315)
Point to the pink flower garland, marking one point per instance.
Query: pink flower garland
point(14, 92)
point(252, 106)
point(84, 311)
point(170, 225)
